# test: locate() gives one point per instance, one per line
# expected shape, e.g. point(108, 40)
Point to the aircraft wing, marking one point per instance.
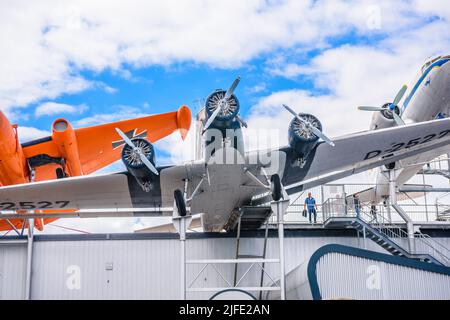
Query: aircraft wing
point(100, 145)
point(359, 152)
point(352, 154)
point(117, 190)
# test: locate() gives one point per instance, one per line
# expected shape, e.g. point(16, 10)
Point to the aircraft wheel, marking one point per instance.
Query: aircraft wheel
point(390, 166)
point(275, 186)
point(181, 204)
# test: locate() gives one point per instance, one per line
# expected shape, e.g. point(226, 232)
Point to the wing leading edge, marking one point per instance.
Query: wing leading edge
point(352, 154)
point(363, 151)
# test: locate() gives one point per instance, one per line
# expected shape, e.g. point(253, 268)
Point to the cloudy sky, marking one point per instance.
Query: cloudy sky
point(98, 61)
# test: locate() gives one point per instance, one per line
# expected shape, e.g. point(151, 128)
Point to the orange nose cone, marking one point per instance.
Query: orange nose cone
point(184, 121)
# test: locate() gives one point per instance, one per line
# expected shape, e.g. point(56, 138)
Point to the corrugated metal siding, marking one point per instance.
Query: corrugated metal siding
point(345, 276)
point(149, 269)
point(12, 270)
point(146, 268)
point(141, 269)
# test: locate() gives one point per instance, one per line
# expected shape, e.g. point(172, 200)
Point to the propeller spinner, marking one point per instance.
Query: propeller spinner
point(137, 150)
point(223, 104)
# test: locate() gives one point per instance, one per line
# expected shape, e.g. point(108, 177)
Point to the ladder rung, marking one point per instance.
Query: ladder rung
point(246, 256)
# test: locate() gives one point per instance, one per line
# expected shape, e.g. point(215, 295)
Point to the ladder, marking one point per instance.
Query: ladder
point(241, 256)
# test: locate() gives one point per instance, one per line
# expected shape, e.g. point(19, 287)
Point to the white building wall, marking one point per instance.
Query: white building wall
point(142, 269)
point(365, 279)
point(13, 259)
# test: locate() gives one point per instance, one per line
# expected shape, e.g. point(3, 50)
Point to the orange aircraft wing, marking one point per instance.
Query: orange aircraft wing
point(100, 145)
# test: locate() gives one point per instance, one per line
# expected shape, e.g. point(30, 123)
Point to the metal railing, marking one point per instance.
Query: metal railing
point(423, 243)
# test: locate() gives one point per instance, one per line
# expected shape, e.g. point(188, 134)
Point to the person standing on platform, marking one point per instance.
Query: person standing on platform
point(311, 206)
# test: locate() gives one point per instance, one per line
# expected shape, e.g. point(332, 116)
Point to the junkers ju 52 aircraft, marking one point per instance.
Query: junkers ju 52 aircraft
point(228, 181)
point(70, 152)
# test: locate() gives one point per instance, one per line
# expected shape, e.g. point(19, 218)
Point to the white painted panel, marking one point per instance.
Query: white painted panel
point(12, 271)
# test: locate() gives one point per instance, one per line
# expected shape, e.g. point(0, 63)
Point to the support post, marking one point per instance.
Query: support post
point(364, 235)
point(400, 211)
point(181, 224)
point(238, 243)
point(279, 208)
point(30, 239)
point(448, 162)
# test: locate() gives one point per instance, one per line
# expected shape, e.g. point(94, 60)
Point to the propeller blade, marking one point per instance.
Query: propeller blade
point(320, 134)
point(141, 154)
point(400, 95)
point(232, 88)
point(293, 112)
point(125, 138)
point(398, 119)
point(242, 122)
point(367, 108)
point(148, 163)
point(316, 131)
point(211, 119)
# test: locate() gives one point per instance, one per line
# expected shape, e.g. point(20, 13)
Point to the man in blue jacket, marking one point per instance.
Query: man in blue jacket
point(311, 206)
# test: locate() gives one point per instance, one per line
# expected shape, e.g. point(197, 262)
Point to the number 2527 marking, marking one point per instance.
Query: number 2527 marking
point(405, 145)
point(25, 205)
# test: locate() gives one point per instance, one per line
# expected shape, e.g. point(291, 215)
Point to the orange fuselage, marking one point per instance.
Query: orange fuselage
point(13, 164)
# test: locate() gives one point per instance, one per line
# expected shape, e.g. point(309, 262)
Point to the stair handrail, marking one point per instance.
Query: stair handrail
point(441, 255)
point(387, 229)
point(442, 252)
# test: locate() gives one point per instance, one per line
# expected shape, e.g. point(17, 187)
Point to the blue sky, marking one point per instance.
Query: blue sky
point(160, 89)
point(97, 61)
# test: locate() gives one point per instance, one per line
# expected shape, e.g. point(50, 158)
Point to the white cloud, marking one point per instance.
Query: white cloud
point(352, 75)
point(119, 113)
point(257, 88)
point(47, 44)
point(30, 133)
point(53, 108)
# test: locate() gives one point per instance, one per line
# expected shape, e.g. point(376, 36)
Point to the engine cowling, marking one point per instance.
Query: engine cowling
point(13, 165)
point(384, 119)
point(65, 139)
point(301, 139)
point(134, 164)
point(227, 116)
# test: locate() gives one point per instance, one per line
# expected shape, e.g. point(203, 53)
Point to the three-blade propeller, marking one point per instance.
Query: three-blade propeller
point(391, 107)
point(222, 103)
point(138, 151)
point(311, 127)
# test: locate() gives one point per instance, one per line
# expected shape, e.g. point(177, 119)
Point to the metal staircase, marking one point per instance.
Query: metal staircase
point(388, 236)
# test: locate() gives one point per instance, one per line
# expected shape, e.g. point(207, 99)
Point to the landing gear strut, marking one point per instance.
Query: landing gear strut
point(181, 221)
point(276, 187)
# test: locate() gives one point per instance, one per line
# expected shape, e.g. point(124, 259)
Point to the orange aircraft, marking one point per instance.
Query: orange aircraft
point(75, 152)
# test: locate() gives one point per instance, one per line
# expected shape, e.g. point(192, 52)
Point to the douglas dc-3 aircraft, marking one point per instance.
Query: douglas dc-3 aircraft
point(72, 152)
point(229, 181)
point(428, 99)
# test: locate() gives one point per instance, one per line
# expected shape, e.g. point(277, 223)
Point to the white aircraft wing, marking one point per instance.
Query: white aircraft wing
point(359, 152)
point(352, 154)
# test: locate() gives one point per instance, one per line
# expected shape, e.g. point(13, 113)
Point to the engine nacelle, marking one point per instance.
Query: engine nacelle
point(384, 119)
point(301, 139)
point(134, 164)
point(227, 116)
point(66, 141)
